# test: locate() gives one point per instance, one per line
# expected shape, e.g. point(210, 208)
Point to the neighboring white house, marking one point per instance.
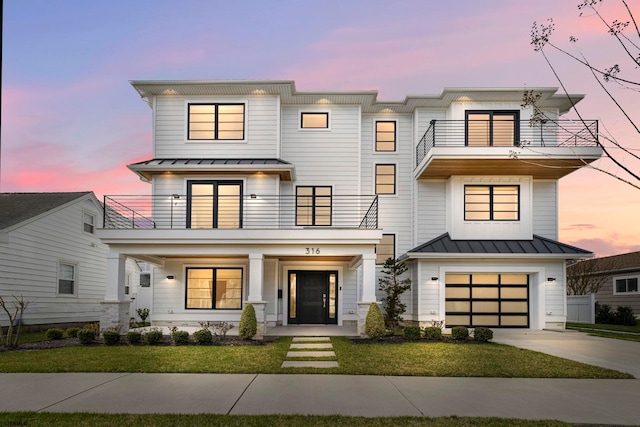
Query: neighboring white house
point(50, 255)
point(292, 201)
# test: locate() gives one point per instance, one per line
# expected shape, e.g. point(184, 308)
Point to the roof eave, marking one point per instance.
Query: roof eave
point(437, 255)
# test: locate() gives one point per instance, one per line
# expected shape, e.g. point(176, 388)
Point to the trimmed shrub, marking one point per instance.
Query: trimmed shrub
point(203, 337)
point(248, 323)
point(433, 333)
point(72, 332)
point(180, 337)
point(374, 325)
point(133, 337)
point(412, 333)
point(111, 337)
point(625, 316)
point(93, 326)
point(54, 334)
point(459, 333)
point(482, 334)
point(153, 337)
point(86, 336)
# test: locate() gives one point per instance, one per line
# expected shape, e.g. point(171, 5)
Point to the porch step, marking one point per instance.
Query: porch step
point(310, 347)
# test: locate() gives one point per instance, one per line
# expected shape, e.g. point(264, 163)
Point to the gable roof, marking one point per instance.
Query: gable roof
point(628, 262)
point(19, 207)
point(538, 246)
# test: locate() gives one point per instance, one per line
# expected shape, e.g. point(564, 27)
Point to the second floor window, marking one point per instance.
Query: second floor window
point(216, 122)
point(385, 179)
point(491, 202)
point(88, 222)
point(385, 136)
point(386, 248)
point(214, 204)
point(313, 206)
point(492, 128)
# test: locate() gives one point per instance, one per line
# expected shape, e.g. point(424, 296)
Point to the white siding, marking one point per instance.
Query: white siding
point(431, 210)
point(545, 209)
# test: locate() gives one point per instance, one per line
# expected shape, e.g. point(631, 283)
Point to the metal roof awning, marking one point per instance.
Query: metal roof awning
point(146, 169)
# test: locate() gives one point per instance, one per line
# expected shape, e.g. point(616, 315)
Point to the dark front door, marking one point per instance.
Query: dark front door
point(312, 297)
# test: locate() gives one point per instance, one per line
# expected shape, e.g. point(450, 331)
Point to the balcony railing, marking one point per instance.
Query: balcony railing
point(456, 133)
point(177, 211)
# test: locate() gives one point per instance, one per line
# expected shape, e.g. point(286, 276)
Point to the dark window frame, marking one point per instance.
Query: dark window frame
point(393, 254)
point(314, 205)
point(395, 136)
point(314, 113)
point(213, 287)
point(216, 128)
point(395, 178)
point(627, 280)
point(492, 209)
point(215, 214)
point(492, 113)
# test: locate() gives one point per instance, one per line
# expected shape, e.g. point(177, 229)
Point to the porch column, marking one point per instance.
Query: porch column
point(368, 290)
point(256, 276)
point(115, 307)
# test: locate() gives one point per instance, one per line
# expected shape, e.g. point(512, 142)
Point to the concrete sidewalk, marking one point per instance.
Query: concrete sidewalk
point(571, 400)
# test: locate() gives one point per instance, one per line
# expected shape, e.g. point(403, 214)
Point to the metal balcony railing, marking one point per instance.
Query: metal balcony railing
point(178, 211)
point(479, 133)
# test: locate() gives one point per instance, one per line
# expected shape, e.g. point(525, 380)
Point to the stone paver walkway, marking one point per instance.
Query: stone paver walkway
point(310, 347)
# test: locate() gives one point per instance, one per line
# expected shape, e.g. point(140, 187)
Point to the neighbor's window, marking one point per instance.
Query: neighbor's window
point(626, 285)
point(89, 221)
point(313, 206)
point(385, 136)
point(491, 202)
point(214, 288)
point(386, 248)
point(385, 179)
point(314, 120)
point(66, 278)
point(216, 121)
point(145, 280)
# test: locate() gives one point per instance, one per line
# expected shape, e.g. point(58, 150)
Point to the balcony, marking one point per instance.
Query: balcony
point(544, 150)
point(250, 212)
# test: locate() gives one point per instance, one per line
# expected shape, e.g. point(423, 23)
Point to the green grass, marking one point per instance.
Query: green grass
point(421, 359)
point(621, 328)
point(33, 419)
point(618, 332)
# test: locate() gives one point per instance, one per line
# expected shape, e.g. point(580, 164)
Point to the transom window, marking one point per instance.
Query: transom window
point(313, 206)
point(216, 121)
point(626, 285)
point(214, 204)
point(314, 120)
point(214, 288)
point(492, 128)
point(88, 222)
point(385, 179)
point(385, 136)
point(491, 202)
point(386, 248)
point(66, 278)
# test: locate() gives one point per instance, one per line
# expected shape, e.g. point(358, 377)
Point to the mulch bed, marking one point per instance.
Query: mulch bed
point(399, 339)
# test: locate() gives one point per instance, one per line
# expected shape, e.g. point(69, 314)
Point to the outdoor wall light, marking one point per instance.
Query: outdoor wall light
point(176, 196)
point(253, 196)
point(551, 279)
point(434, 278)
point(171, 277)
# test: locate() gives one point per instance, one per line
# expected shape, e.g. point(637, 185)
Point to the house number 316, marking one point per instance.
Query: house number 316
point(312, 251)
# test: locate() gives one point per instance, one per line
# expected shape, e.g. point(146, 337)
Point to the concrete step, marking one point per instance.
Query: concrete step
point(310, 346)
point(293, 354)
point(309, 364)
point(311, 339)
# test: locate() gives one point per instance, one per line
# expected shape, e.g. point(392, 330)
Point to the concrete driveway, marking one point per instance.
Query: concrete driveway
point(623, 356)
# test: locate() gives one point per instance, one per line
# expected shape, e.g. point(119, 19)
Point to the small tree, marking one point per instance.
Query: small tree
point(394, 286)
point(143, 313)
point(248, 323)
point(374, 324)
point(19, 306)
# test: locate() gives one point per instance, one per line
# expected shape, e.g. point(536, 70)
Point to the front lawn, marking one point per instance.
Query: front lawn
point(419, 358)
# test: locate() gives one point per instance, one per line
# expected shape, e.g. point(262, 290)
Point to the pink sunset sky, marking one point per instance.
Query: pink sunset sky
point(72, 122)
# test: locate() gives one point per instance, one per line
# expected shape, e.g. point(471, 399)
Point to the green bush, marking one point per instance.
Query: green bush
point(54, 334)
point(482, 334)
point(459, 333)
point(111, 337)
point(374, 324)
point(248, 323)
point(153, 337)
point(202, 337)
point(625, 316)
point(72, 332)
point(93, 326)
point(433, 333)
point(133, 337)
point(412, 333)
point(180, 337)
point(86, 336)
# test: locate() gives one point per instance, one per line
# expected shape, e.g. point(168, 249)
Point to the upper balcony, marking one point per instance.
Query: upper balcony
point(548, 149)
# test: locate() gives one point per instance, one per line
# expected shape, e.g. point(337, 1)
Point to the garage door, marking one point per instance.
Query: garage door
point(492, 300)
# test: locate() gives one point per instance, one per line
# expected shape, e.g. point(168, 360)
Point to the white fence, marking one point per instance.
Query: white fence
point(581, 308)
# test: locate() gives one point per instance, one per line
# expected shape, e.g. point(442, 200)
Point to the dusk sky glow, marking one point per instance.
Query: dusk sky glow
point(72, 122)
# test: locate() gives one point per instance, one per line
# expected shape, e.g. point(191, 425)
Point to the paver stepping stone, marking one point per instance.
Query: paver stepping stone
point(304, 346)
point(310, 346)
point(311, 354)
point(311, 339)
point(309, 364)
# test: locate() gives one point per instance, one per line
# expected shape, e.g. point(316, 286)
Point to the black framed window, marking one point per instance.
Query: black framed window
point(211, 288)
point(216, 122)
point(492, 202)
point(626, 285)
point(385, 136)
point(214, 204)
point(314, 120)
point(313, 206)
point(492, 128)
point(386, 248)
point(385, 179)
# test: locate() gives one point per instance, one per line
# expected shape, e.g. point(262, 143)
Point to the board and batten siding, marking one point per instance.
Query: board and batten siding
point(29, 266)
point(545, 208)
point(261, 129)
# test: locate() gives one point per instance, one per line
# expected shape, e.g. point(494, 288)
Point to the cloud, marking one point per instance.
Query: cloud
point(602, 247)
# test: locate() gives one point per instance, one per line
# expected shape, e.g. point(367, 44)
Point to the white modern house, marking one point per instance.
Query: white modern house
point(292, 200)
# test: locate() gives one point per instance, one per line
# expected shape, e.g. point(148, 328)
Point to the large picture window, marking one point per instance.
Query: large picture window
point(216, 122)
point(214, 288)
point(385, 136)
point(491, 202)
point(385, 179)
point(313, 206)
point(492, 128)
point(214, 204)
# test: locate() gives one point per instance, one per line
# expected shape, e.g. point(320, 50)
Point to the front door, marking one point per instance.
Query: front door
point(313, 297)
